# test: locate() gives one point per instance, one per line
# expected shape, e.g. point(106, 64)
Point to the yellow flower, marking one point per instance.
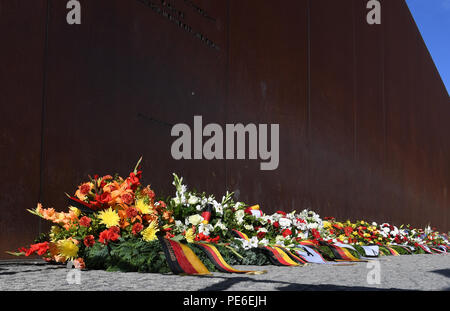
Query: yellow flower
point(142, 207)
point(149, 234)
point(75, 210)
point(67, 249)
point(326, 224)
point(109, 217)
point(53, 232)
point(189, 235)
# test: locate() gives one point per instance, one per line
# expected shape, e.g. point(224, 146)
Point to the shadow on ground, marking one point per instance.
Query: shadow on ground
point(444, 272)
point(227, 283)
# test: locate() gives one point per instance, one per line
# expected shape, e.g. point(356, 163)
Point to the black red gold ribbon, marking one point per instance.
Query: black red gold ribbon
point(181, 259)
point(216, 258)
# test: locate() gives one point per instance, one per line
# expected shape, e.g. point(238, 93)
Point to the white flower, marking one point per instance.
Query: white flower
point(218, 207)
point(193, 200)
point(284, 223)
point(205, 229)
point(262, 229)
point(264, 242)
point(239, 215)
point(220, 225)
point(312, 225)
point(249, 227)
point(279, 238)
point(195, 219)
point(177, 200)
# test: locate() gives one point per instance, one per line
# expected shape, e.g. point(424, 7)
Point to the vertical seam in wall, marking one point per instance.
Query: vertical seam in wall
point(227, 70)
point(383, 92)
point(355, 85)
point(44, 100)
point(308, 78)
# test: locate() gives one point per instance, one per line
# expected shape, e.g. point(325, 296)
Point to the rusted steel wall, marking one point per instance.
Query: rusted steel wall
point(22, 51)
point(362, 110)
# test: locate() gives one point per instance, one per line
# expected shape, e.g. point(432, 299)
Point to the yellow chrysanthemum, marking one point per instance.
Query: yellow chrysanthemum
point(189, 235)
point(109, 218)
point(326, 224)
point(149, 234)
point(67, 249)
point(142, 207)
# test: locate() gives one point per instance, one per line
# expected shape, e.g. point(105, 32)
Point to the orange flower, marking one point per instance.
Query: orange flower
point(84, 190)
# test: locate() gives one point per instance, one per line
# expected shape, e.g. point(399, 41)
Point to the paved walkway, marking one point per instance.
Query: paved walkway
point(415, 272)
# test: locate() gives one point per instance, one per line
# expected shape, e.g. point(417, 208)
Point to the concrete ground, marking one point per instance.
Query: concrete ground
point(415, 272)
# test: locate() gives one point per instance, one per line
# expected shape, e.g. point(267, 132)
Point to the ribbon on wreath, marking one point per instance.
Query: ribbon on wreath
point(341, 253)
point(278, 257)
point(219, 262)
point(240, 234)
point(181, 259)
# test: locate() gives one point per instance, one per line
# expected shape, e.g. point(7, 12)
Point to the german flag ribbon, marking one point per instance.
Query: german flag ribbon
point(240, 234)
point(341, 253)
point(207, 213)
point(181, 259)
point(216, 258)
point(392, 251)
point(405, 247)
point(292, 255)
point(278, 257)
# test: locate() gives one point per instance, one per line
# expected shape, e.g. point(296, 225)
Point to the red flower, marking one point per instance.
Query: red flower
point(85, 221)
point(103, 198)
point(85, 188)
point(89, 240)
point(169, 235)
point(112, 234)
point(348, 231)
point(131, 212)
point(281, 212)
point(261, 235)
point(137, 227)
point(286, 232)
point(276, 224)
point(315, 233)
point(38, 248)
point(127, 198)
point(133, 180)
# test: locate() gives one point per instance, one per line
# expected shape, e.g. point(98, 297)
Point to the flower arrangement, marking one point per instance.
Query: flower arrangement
point(117, 223)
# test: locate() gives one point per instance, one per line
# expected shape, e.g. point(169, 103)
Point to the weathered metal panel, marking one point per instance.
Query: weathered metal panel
point(268, 85)
point(332, 107)
point(22, 33)
point(362, 109)
point(369, 132)
point(117, 84)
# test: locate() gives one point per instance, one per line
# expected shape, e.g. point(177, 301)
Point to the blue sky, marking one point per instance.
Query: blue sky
point(433, 19)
